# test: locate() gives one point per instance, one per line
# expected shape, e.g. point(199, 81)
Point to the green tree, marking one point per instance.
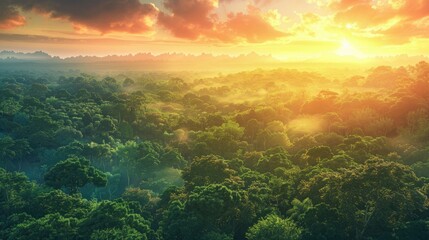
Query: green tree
point(13, 187)
point(274, 228)
point(116, 217)
point(299, 208)
point(74, 173)
point(6, 150)
point(66, 135)
point(379, 196)
point(272, 159)
point(9, 107)
point(316, 154)
point(141, 196)
point(207, 170)
point(215, 204)
point(49, 227)
point(57, 201)
point(125, 233)
point(128, 82)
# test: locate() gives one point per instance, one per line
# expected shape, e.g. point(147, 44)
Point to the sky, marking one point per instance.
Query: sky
point(285, 29)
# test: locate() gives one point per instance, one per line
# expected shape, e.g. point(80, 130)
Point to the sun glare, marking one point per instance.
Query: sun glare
point(348, 50)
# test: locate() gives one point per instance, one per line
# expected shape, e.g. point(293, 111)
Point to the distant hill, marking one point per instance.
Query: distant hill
point(11, 60)
point(141, 61)
point(39, 55)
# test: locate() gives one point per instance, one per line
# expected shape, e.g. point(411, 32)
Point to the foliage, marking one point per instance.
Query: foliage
point(74, 173)
point(264, 154)
point(274, 228)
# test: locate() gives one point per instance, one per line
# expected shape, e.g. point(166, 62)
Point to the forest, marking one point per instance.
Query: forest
point(276, 154)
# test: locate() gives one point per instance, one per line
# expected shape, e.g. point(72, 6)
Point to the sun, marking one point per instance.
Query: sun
point(348, 50)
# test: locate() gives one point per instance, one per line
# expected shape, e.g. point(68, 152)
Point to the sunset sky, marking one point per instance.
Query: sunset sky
point(286, 29)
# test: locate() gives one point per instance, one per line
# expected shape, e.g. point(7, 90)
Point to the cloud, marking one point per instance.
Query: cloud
point(394, 21)
point(102, 15)
point(189, 18)
point(252, 26)
point(263, 2)
point(27, 38)
point(194, 19)
point(9, 16)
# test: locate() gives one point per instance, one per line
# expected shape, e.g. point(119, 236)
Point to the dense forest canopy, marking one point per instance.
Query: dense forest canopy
point(263, 154)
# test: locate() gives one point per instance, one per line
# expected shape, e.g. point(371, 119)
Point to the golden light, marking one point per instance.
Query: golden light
point(306, 124)
point(350, 26)
point(348, 50)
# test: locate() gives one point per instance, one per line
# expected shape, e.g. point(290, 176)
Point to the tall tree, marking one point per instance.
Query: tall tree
point(74, 173)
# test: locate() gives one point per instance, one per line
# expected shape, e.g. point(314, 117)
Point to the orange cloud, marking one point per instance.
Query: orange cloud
point(263, 2)
point(251, 26)
point(193, 19)
point(395, 21)
point(102, 15)
point(10, 17)
point(189, 18)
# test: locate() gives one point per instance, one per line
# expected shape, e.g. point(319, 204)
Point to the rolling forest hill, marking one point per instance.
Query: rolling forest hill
point(208, 63)
point(177, 155)
point(10, 60)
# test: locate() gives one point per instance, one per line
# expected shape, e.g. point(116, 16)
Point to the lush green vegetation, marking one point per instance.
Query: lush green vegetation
point(275, 154)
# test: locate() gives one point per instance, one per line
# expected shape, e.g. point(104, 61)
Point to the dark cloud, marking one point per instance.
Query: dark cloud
point(188, 19)
point(103, 15)
point(61, 40)
point(9, 16)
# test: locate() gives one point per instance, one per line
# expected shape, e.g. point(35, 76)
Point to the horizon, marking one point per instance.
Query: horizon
point(422, 57)
point(283, 29)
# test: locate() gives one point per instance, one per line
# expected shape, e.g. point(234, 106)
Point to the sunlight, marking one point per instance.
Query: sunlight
point(305, 124)
point(348, 50)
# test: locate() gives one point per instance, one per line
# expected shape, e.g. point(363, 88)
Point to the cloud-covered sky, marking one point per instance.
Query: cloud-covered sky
point(283, 28)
